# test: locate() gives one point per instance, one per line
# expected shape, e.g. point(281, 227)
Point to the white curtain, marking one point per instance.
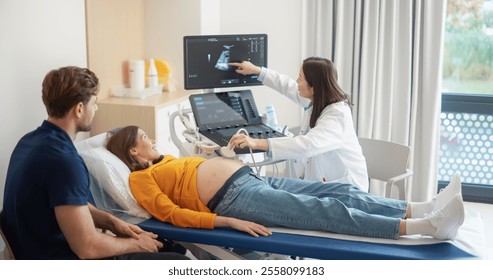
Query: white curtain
point(388, 56)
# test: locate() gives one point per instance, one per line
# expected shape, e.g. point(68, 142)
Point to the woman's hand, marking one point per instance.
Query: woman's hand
point(251, 228)
point(246, 68)
point(241, 141)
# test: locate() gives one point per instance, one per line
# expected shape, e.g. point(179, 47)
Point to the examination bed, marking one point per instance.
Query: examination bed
point(109, 186)
point(321, 245)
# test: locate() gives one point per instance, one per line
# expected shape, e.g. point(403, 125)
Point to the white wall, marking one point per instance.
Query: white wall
point(281, 21)
point(165, 24)
point(167, 21)
point(36, 37)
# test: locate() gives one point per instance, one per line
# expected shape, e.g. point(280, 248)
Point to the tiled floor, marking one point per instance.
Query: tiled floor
point(487, 212)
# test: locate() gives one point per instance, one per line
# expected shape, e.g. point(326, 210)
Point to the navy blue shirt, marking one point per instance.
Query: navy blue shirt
point(45, 171)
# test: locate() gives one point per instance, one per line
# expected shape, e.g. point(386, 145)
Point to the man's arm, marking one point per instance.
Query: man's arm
point(79, 228)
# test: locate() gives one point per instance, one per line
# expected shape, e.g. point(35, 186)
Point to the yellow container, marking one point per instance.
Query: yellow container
point(163, 71)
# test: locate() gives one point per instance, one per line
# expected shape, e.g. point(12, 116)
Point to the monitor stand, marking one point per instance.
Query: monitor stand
point(211, 90)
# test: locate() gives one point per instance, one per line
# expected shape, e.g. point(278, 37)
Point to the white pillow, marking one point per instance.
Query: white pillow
point(110, 174)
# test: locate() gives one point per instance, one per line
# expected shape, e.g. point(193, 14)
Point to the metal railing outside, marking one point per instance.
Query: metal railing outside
point(466, 144)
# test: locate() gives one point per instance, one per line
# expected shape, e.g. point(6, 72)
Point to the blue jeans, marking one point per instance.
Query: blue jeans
point(311, 205)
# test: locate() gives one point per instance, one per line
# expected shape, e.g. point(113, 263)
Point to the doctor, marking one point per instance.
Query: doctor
point(327, 147)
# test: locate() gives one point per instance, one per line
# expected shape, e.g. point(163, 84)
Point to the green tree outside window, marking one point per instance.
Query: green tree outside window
point(468, 49)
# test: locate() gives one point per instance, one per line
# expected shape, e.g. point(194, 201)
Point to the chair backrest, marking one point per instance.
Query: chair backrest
point(387, 162)
point(384, 159)
point(6, 253)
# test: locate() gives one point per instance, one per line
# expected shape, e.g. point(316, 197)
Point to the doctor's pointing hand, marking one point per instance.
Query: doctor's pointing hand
point(246, 68)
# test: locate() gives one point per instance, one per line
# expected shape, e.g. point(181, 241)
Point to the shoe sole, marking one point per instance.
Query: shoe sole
point(452, 233)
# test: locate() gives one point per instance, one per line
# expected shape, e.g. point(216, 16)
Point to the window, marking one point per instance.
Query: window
point(466, 136)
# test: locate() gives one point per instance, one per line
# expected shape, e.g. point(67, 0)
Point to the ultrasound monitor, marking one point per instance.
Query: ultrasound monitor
point(206, 59)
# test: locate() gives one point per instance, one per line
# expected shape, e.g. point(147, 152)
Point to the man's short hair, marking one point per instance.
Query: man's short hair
point(63, 88)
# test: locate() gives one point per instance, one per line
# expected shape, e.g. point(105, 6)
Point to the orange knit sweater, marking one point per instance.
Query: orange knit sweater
point(168, 190)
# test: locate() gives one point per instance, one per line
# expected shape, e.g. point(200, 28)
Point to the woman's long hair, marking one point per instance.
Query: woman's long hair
point(120, 141)
point(321, 74)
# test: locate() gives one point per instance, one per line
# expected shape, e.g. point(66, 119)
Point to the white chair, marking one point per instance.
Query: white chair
point(6, 253)
point(387, 162)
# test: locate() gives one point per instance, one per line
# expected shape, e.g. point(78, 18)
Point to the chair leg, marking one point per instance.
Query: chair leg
point(388, 189)
point(401, 187)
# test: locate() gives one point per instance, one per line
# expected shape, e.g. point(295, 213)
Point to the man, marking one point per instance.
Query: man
point(47, 213)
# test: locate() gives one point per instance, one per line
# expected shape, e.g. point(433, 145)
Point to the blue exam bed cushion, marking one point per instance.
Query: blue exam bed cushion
point(306, 246)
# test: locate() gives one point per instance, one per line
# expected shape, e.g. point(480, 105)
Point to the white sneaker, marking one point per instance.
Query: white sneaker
point(448, 193)
point(448, 220)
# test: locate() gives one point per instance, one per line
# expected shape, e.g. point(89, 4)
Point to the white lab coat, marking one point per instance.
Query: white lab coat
point(330, 150)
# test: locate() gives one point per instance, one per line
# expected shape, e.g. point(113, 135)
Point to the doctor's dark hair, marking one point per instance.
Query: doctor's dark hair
point(321, 74)
point(65, 87)
point(120, 141)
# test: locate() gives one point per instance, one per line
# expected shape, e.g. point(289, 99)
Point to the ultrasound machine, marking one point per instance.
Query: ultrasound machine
point(219, 114)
